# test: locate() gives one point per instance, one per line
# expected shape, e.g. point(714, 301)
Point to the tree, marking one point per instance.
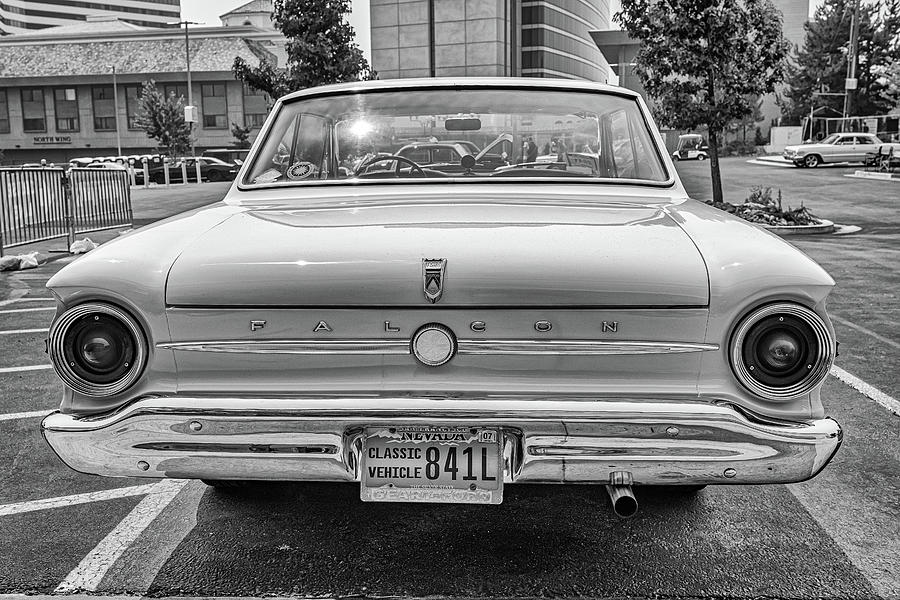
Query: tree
point(821, 64)
point(320, 49)
point(241, 135)
point(891, 91)
point(163, 120)
point(703, 61)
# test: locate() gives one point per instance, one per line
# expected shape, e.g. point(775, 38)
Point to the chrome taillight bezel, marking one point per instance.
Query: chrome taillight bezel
point(819, 364)
point(56, 348)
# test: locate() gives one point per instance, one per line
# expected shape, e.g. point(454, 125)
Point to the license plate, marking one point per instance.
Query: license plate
point(432, 464)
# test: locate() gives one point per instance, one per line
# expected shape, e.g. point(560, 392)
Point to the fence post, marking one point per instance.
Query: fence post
point(69, 210)
point(197, 166)
point(166, 170)
point(132, 178)
point(3, 197)
point(184, 178)
point(146, 173)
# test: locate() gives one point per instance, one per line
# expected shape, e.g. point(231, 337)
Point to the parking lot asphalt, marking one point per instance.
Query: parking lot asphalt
point(836, 536)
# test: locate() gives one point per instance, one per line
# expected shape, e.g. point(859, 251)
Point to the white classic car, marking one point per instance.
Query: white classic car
point(348, 315)
point(836, 148)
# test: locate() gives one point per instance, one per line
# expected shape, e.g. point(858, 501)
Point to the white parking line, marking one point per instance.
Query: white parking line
point(867, 390)
point(25, 415)
point(868, 332)
point(25, 368)
point(35, 299)
point(22, 331)
point(90, 571)
point(25, 310)
point(48, 503)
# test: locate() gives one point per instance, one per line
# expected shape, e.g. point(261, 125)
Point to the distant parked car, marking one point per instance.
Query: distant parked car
point(211, 169)
point(235, 156)
point(106, 165)
point(836, 148)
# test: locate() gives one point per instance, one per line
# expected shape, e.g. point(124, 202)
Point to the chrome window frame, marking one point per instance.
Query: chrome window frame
point(437, 85)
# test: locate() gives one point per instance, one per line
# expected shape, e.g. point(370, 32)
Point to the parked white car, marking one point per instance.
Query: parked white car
point(836, 148)
point(436, 332)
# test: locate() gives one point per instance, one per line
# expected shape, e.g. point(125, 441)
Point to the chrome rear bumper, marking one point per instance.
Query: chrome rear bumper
point(568, 440)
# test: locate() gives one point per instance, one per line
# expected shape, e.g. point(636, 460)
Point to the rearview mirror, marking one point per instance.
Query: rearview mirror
point(462, 124)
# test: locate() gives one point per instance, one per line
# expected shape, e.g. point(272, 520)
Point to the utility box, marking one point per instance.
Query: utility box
point(190, 114)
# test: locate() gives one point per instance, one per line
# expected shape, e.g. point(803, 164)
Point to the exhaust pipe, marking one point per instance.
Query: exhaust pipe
point(619, 489)
point(623, 501)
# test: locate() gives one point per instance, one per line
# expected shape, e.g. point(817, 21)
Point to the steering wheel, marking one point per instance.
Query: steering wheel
point(383, 157)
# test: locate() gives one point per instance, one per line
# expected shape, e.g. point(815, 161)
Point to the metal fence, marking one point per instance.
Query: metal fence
point(46, 203)
point(886, 127)
point(101, 199)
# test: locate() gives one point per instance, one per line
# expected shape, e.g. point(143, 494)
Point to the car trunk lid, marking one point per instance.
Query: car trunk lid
point(498, 255)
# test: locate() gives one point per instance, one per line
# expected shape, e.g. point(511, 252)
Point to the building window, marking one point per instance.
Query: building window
point(256, 107)
point(133, 105)
point(179, 90)
point(33, 117)
point(4, 113)
point(104, 107)
point(215, 107)
point(65, 103)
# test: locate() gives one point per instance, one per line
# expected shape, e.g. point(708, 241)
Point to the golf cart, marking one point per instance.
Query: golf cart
point(691, 146)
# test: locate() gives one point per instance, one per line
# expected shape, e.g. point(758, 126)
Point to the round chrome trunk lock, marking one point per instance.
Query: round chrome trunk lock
point(433, 345)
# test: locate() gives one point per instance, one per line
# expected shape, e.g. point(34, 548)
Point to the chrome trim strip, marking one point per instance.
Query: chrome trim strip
point(470, 346)
point(579, 347)
point(294, 346)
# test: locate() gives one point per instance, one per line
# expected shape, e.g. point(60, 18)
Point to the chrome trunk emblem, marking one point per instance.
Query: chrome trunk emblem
point(433, 277)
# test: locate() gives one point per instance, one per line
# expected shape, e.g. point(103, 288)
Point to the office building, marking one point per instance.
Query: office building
point(21, 16)
point(56, 87)
point(458, 38)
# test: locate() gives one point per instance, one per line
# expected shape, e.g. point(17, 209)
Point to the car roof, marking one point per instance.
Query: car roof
point(458, 83)
point(433, 145)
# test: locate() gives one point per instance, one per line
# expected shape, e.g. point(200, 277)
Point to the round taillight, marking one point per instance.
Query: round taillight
point(781, 351)
point(97, 349)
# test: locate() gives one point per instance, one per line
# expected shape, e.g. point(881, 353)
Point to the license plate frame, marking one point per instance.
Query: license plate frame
point(441, 490)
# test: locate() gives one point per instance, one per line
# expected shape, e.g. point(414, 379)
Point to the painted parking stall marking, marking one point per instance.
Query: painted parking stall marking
point(25, 415)
point(23, 331)
point(48, 503)
point(867, 390)
point(25, 310)
point(868, 332)
point(4, 370)
point(9, 301)
point(92, 568)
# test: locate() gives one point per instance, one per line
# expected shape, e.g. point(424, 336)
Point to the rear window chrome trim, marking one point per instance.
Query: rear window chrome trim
point(662, 156)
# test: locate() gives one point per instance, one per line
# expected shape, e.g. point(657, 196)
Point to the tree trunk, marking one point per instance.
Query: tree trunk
point(714, 166)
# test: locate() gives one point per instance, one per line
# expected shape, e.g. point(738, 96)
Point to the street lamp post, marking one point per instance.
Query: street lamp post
point(190, 110)
point(116, 112)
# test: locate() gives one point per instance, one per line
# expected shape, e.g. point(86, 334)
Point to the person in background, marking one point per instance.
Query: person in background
point(531, 150)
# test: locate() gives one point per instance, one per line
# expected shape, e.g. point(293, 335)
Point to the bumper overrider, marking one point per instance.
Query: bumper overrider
point(544, 440)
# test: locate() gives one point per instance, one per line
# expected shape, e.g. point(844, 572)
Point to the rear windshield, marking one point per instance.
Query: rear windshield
point(469, 133)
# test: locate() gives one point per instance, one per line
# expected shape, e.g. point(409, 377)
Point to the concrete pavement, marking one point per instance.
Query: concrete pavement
point(836, 536)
